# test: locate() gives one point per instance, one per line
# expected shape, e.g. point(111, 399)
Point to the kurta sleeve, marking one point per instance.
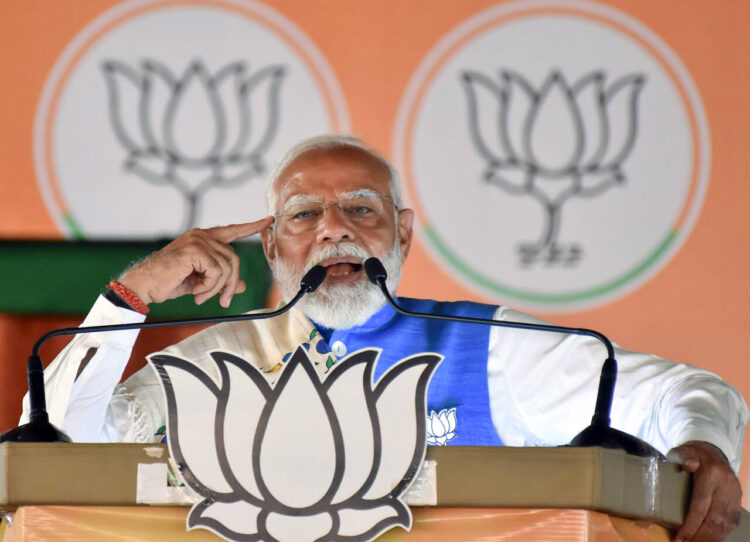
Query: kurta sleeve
point(543, 390)
point(78, 403)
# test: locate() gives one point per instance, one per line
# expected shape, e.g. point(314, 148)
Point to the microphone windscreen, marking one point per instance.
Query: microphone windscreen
point(375, 270)
point(313, 278)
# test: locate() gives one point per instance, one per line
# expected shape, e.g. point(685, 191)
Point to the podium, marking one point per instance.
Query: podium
point(120, 492)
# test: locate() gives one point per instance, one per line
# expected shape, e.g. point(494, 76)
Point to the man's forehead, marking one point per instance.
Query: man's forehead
point(340, 172)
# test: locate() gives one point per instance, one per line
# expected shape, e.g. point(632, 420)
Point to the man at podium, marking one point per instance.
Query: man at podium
point(334, 201)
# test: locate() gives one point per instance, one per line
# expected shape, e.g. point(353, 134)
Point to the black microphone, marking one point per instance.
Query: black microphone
point(311, 281)
point(39, 428)
point(600, 432)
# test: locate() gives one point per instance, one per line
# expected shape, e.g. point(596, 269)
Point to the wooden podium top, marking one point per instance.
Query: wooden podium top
point(481, 477)
point(591, 478)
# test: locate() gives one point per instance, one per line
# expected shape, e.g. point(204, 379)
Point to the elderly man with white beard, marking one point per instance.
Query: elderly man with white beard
point(335, 202)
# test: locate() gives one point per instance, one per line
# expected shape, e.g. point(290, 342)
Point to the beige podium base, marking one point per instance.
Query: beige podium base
point(167, 524)
point(87, 492)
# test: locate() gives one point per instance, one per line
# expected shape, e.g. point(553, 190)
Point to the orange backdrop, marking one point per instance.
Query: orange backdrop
point(695, 310)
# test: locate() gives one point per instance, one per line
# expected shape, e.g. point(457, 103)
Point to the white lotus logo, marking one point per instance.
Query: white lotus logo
point(552, 143)
point(303, 460)
point(196, 131)
point(441, 427)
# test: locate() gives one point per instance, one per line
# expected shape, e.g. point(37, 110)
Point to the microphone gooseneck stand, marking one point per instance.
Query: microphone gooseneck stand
point(600, 432)
point(39, 428)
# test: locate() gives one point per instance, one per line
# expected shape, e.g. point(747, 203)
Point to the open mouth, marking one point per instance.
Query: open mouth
point(340, 269)
point(343, 269)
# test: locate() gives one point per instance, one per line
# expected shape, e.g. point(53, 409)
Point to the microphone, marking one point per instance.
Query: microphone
point(311, 281)
point(39, 428)
point(600, 432)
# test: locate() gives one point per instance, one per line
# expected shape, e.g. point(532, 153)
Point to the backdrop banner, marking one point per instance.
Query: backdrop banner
point(581, 160)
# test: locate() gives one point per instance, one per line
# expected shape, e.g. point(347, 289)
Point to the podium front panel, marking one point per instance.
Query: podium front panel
point(167, 524)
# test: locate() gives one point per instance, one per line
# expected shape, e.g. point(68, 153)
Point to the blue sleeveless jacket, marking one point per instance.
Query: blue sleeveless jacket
point(460, 381)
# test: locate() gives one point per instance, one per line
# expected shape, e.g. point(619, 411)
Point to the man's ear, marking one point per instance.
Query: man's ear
point(269, 244)
point(405, 230)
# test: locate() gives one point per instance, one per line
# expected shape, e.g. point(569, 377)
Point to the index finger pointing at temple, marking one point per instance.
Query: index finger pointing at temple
point(232, 232)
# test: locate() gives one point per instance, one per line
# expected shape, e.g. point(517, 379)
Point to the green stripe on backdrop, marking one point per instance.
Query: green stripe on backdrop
point(64, 277)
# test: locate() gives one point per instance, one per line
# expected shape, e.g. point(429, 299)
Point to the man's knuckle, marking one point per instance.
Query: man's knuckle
point(190, 241)
point(226, 266)
point(234, 260)
point(195, 233)
point(717, 472)
point(700, 501)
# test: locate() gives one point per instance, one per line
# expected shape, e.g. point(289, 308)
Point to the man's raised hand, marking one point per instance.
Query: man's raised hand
point(199, 262)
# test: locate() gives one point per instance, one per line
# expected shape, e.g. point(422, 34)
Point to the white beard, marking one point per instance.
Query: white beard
point(339, 307)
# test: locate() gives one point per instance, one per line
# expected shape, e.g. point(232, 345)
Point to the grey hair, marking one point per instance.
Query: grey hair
point(329, 142)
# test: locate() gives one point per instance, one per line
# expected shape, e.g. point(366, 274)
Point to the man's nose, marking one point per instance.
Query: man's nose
point(335, 226)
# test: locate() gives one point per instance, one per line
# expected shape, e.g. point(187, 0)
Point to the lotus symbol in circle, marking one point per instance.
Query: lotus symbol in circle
point(552, 143)
point(301, 460)
point(193, 131)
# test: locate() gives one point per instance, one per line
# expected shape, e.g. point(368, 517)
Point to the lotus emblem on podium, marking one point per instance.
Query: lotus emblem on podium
point(301, 460)
point(196, 131)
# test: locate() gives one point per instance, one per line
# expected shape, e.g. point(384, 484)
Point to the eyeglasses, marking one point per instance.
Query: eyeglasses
point(366, 210)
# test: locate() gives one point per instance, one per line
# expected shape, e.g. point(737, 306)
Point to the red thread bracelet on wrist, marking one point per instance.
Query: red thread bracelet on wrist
point(129, 297)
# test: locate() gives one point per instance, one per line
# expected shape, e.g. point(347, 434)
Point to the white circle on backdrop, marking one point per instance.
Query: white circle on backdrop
point(81, 161)
point(607, 243)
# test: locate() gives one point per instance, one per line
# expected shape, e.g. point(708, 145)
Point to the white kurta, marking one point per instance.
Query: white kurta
point(542, 385)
